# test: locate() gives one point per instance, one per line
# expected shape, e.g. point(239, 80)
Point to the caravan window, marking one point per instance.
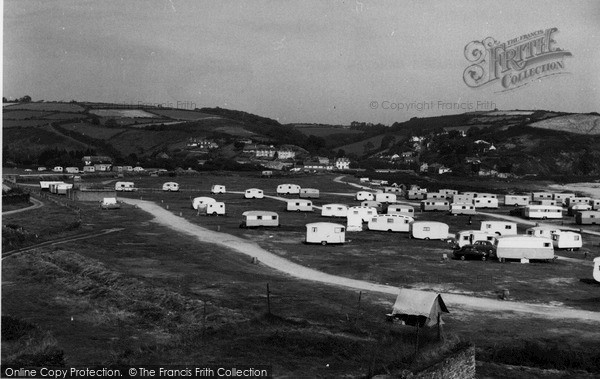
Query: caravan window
point(314, 229)
point(390, 220)
point(507, 226)
point(465, 238)
point(426, 228)
point(338, 230)
point(259, 217)
point(355, 212)
point(340, 208)
point(546, 244)
point(374, 219)
point(576, 238)
point(555, 237)
point(274, 217)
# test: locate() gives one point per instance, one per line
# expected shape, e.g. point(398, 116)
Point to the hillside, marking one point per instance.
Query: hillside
point(503, 141)
point(575, 123)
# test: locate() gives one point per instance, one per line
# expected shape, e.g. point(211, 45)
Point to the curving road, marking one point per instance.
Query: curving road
point(242, 246)
point(36, 204)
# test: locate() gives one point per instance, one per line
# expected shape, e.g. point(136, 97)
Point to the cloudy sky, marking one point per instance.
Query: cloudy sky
point(296, 61)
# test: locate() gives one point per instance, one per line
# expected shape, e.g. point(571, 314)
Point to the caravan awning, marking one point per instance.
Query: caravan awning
point(419, 303)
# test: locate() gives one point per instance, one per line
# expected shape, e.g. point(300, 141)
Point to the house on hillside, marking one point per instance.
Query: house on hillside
point(90, 160)
point(201, 143)
point(424, 167)
point(342, 163)
point(438, 168)
point(283, 154)
point(323, 160)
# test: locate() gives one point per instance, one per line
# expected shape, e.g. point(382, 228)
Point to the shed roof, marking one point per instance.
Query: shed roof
point(419, 303)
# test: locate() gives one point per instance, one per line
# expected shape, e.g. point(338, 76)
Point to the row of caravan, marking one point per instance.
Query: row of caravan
point(560, 239)
point(56, 187)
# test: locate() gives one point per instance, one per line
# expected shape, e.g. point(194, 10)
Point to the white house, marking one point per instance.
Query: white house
point(325, 233)
point(342, 163)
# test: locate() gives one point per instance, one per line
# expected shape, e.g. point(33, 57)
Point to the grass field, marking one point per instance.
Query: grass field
point(94, 131)
point(326, 131)
point(147, 294)
point(51, 107)
point(182, 114)
point(127, 113)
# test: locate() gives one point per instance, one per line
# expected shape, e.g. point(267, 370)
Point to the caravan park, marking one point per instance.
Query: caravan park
point(165, 236)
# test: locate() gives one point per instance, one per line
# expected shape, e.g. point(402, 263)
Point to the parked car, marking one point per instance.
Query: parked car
point(481, 250)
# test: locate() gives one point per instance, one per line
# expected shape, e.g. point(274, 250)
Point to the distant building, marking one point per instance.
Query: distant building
point(89, 160)
point(286, 154)
point(438, 168)
point(342, 163)
point(201, 143)
point(102, 167)
point(424, 167)
point(323, 160)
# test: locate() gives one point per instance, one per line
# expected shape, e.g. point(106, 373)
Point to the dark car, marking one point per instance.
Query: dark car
point(481, 250)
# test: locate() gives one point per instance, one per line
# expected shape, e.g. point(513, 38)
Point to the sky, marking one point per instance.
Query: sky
point(294, 61)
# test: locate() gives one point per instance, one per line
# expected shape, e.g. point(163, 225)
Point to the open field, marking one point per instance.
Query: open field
point(182, 114)
point(150, 262)
point(129, 113)
point(94, 131)
point(51, 107)
point(326, 131)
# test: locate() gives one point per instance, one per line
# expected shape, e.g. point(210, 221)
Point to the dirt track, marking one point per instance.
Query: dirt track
point(239, 245)
point(36, 204)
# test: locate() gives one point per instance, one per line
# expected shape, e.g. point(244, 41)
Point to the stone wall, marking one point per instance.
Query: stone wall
point(459, 365)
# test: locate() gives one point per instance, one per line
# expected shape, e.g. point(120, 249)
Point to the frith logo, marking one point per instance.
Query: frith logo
point(516, 62)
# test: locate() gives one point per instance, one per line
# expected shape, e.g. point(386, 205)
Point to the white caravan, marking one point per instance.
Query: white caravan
point(401, 209)
point(288, 189)
point(429, 230)
point(469, 237)
point(216, 208)
point(254, 193)
point(334, 210)
point(517, 200)
point(597, 269)
point(200, 203)
point(259, 218)
point(365, 213)
point(364, 195)
point(485, 202)
point(124, 186)
point(325, 232)
point(524, 247)
point(170, 186)
point(541, 231)
point(462, 209)
point(385, 197)
point(502, 228)
point(217, 188)
point(542, 211)
point(390, 223)
point(300, 205)
point(567, 240)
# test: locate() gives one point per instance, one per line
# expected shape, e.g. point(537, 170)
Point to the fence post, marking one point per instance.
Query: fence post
point(268, 300)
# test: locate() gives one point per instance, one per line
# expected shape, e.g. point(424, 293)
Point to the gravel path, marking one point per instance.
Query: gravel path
point(239, 245)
